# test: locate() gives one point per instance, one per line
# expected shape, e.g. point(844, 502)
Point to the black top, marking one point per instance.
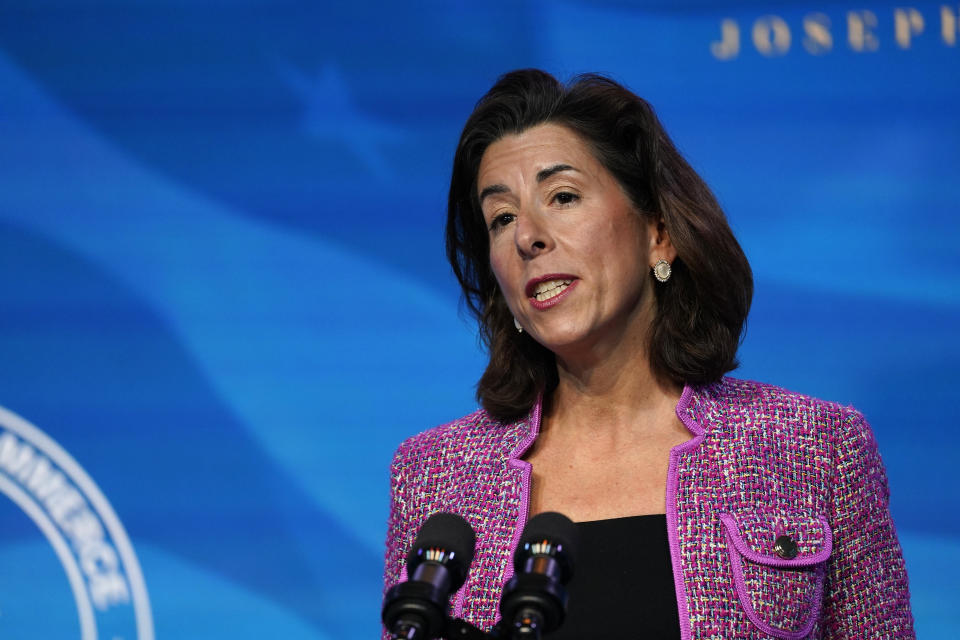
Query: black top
point(622, 584)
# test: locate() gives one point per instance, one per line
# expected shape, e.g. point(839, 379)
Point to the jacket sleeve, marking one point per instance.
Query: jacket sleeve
point(867, 594)
point(398, 528)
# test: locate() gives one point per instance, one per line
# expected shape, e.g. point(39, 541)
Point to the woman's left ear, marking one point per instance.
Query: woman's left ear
point(661, 247)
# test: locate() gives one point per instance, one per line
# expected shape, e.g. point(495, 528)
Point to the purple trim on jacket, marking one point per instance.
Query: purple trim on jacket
point(527, 469)
point(675, 453)
point(762, 463)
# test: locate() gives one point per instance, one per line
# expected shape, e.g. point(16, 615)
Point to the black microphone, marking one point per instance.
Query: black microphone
point(437, 566)
point(534, 601)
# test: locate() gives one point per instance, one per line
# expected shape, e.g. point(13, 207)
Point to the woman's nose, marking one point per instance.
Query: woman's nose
point(532, 235)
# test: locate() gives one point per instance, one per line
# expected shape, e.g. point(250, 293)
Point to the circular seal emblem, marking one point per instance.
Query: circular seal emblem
point(48, 485)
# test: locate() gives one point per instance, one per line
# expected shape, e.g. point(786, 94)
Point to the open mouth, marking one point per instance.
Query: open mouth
point(550, 289)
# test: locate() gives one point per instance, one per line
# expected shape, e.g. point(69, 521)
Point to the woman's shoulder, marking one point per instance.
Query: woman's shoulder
point(444, 435)
point(736, 400)
point(474, 435)
point(794, 430)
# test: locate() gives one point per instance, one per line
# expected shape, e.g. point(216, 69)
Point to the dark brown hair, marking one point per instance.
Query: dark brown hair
point(701, 310)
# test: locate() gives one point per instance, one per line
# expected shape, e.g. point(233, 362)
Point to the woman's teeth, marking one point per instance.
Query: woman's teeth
point(550, 289)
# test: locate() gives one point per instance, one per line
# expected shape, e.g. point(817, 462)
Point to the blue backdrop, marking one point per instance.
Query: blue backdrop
point(224, 300)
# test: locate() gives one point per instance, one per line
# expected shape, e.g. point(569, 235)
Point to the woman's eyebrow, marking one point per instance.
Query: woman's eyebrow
point(542, 175)
point(549, 171)
point(492, 189)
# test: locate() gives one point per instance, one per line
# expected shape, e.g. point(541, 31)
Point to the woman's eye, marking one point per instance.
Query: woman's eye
point(565, 197)
point(501, 220)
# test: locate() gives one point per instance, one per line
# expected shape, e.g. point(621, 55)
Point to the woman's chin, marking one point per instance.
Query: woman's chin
point(563, 341)
point(571, 341)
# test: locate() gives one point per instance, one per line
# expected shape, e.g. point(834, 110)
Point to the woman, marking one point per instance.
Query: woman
point(611, 295)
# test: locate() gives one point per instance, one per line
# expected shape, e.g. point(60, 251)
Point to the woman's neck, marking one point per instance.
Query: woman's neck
point(618, 394)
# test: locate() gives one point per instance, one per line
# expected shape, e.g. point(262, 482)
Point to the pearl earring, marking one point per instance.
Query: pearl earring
point(517, 324)
point(662, 270)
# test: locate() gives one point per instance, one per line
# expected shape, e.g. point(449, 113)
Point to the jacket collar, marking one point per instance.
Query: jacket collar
point(698, 410)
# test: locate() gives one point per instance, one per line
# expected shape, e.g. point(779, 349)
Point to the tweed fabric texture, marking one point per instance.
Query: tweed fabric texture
point(762, 463)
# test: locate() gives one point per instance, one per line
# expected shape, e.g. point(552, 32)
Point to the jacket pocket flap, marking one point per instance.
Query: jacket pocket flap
point(778, 563)
point(779, 538)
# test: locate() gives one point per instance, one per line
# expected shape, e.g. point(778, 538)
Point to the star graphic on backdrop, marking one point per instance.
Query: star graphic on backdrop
point(330, 114)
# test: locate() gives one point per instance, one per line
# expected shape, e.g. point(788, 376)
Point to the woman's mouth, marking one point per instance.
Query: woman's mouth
point(546, 292)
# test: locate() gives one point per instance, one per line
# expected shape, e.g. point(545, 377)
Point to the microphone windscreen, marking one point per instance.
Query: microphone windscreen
point(555, 527)
point(450, 532)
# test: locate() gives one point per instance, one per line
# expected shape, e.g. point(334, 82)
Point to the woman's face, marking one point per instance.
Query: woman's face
point(571, 254)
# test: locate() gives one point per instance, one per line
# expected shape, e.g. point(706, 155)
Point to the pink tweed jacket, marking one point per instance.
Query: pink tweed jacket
point(762, 463)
